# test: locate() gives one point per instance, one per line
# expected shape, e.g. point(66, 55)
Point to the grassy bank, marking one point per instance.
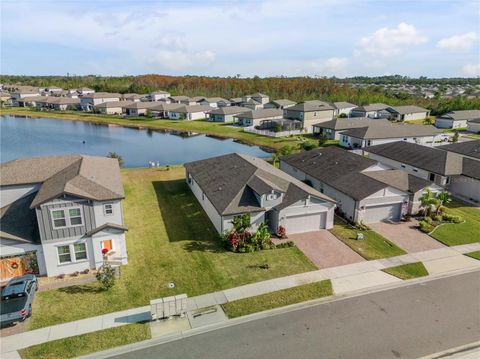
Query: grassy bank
point(475, 255)
point(200, 126)
point(88, 343)
point(408, 271)
point(170, 238)
point(279, 298)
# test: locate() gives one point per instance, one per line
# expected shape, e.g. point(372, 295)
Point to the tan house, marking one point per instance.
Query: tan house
point(111, 108)
point(310, 113)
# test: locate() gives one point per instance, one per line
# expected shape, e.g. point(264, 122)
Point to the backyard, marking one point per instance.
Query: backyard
point(169, 239)
point(452, 234)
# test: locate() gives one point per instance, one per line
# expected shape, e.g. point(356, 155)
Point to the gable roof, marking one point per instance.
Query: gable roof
point(343, 104)
point(24, 230)
point(371, 107)
point(471, 168)
point(139, 105)
point(462, 115)
point(261, 113)
point(399, 179)
point(229, 110)
point(96, 178)
point(403, 110)
point(230, 181)
point(102, 95)
point(467, 148)
point(348, 123)
point(282, 102)
point(392, 130)
point(427, 158)
point(258, 94)
point(310, 106)
point(192, 108)
point(112, 104)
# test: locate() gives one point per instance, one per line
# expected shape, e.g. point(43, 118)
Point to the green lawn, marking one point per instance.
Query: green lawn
point(452, 234)
point(475, 255)
point(408, 271)
point(201, 126)
point(473, 136)
point(170, 238)
point(373, 246)
point(279, 298)
point(88, 343)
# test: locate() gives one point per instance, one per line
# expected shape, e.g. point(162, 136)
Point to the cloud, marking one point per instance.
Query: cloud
point(471, 70)
point(390, 42)
point(458, 42)
point(181, 60)
point(333, 66)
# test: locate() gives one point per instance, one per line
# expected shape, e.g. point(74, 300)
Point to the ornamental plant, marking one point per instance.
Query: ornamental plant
point(240, 238)
point(106, 276)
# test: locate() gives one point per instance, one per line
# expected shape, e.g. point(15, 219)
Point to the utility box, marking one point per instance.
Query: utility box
point(169, 309)
point(156, 309)
point(181, 304)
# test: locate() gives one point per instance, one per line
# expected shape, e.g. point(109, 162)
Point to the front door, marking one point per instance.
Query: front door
point(107, 244)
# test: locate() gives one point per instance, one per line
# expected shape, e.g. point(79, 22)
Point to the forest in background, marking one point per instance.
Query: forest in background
point(293, 88)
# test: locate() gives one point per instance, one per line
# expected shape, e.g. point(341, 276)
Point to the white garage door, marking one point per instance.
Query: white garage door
point(383, 212)
point(305, 223)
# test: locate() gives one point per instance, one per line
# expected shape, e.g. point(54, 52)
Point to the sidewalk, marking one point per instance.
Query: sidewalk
point(345, 279)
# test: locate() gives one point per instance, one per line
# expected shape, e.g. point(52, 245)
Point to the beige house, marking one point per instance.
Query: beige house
point(111, 108)
point(310, 113)
point(256, 117)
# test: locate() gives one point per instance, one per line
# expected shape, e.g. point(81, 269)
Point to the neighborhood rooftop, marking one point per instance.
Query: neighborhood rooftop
point(467, 148)
point(390, 130)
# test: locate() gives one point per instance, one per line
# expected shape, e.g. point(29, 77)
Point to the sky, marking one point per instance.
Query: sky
point(342, 38)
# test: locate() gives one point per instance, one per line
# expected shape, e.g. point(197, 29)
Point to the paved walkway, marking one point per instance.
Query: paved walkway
point(406, 236)
point(345, 279)
point(324, 249)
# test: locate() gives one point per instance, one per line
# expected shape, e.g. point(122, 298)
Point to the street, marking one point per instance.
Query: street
point(406, 322)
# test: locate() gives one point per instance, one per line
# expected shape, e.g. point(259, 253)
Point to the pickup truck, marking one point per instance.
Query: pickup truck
point(16, 299)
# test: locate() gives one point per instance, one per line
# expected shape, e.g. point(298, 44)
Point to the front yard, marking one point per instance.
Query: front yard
point(452, 234)
point(408, 271)
point(169, 239)
point(373, 245)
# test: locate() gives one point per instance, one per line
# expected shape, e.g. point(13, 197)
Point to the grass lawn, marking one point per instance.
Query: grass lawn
point(201, 126)
point(373, 246)
point(408, 271)
point(170, 238)
point(88, 343)
point(473, 136)
point(279, 298)
point(475, 255)
point(452, 234)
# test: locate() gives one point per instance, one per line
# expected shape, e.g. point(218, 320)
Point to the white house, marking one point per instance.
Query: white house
point(159, 95)
point(89, 100)
point(407, 113)
point(189, 112)
point(457, 119)
point(226, 114)
point(112, 108)
point(374, 110)
point(214, 102)
point(343, 108)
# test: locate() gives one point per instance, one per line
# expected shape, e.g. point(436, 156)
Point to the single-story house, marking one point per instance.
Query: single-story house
point(31, 101)
point(258, 97)
point(280, 104)
point(343, 108)
point(225, 114)
point(379, 133)
point(88, 101)
point(178, 99)
point(132, 97)
point(407, 113)
point(473, 126)
point(112, 108)
point(60, 103)
point(161, 109)
point(333, 128)
point(85, 91)
point(235, 184)
point(58, 213)
point(158, 95)
point(365, 190)
point(255, 117)
point(453, 171)
point(192, 112)
point(190, 101)
point(19, 95)
point(310, 113)
point(214, 102)
point(374, 110)
point(138, 108)
point(280, 124)
point(457, 119)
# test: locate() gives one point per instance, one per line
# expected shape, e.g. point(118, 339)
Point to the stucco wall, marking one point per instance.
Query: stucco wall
point(465, 187)
point(10, 194)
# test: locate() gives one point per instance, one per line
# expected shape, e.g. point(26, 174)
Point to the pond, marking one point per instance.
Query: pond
point(25, 136)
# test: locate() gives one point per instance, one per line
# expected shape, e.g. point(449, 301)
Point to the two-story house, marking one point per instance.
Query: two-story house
point(89, 100)
point(310, 113)
point(61, 211)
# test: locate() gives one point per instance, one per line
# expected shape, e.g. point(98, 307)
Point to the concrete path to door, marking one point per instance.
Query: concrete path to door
point(406, 236)
point(324, 249)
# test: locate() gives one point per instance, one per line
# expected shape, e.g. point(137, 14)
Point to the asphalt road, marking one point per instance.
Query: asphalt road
point(406, 322)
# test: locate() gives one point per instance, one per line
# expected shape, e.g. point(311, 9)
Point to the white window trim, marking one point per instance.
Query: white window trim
point(58, 254)
point(75, 255)
point(114, 247)
point(67, 217)
point(73, 258)
point(105, 210)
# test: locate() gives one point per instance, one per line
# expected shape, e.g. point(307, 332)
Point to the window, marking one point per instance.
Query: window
point(108, 209)
point(75, 215)
point(431, 177)
point(64, 254)
point(80, 251)
point(59, 219)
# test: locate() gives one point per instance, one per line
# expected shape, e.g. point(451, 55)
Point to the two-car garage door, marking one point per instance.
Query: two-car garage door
point(305, 222)
point(383, 212)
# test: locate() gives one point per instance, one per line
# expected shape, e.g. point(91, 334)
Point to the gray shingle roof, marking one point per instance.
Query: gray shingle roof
point(348, 123)
point(471, 168)
point(371, 107)
point(403, 110)
point(282, 102)
point(399, 179)
point(261, 113)
point(392, 130)
point(229, 182)
point(112, 104)
point(340, 105)
point(229, 110)
point(192, 109)
point(467, 148)
point(462, 115)
point(24, 230)
point(102, 95)
point(310, 106)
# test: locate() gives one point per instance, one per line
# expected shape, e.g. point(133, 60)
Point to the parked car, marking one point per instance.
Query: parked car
point(16, 299)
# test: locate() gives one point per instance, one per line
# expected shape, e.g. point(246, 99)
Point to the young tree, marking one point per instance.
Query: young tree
point(443, 198)
point(322, 139)
point(427, 201)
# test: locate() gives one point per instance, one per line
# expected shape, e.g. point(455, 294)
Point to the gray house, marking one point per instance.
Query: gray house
point(457, 119)
point(256, 117)
point(226, 114)
point(310, 113)
point(333, 128)
point(374, 110)
point(62, 211)
point(235, 184)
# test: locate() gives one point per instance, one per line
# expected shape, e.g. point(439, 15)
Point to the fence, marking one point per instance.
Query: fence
point(271, 133)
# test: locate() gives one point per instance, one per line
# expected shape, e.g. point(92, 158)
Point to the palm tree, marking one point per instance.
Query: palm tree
point(427, 201)
point(443, 198)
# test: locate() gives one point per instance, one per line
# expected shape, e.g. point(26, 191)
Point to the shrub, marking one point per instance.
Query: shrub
point(287, 244)
point(240, 239)
point(437, 217)
point(362, 226)
point(277, 128)
point(451, 218)
point(425, 226)
point(106, 276)
point(429, 220)
point(308, 145)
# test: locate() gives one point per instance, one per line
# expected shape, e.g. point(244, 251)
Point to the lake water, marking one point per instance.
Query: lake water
point(22, 137)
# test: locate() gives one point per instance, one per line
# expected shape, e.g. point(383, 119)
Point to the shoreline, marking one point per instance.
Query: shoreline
point(213, 129)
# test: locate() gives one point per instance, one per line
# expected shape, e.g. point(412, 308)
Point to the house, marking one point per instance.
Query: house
point(470, 149)
point(255, 117)
point(473, 126)
point(236, 101)
point(365, 190)
point(214, 102)
point(19, 95)
point(161, 109)
point(457, 119)
point(189, 112)
point(5, 98)
point(85, 91)
point(225, 114)
point(343, 108)
point(407, 113)
point(30, 101)
point(132, 97)
point(280, 104)
point(88, 101)
point(333, 128)
point(62, 211)
point(310, 113)
point(235, 184)
point(457, 173)
point(375, 110)
point(159, 95)
point(257, 97)
point(62, 103)
point(138, 108)
point(375, 134)
point(178, 99)
point(190, 101)
point(53, 90)
point(112, 108)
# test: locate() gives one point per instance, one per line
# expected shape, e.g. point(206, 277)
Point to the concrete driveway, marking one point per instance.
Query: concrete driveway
point(324, 249)
point(406, 236)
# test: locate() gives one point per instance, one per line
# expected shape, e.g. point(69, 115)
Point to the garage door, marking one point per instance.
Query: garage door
point(305, 222)
point(384, 212)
